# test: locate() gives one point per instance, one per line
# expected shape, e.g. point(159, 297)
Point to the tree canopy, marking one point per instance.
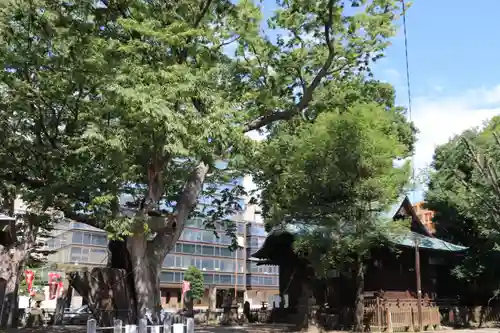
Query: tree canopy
point(335, 179)
point(100, 99)
point(463, 192)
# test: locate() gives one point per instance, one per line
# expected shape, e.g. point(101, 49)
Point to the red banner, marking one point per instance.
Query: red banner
point(55, 285)
point(186, 285)
point(29, 275)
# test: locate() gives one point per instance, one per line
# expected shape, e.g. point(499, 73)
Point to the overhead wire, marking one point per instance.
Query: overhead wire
point(408, 87)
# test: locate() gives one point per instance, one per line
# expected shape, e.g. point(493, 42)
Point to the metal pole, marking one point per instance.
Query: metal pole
point(419, 285)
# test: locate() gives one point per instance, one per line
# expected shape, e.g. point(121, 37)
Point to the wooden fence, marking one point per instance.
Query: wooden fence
point(143, 327)
point(402, 319)
point(401, 315)
point(382, 315)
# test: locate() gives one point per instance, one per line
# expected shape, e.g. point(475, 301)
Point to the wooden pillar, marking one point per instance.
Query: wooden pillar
point(419, 285)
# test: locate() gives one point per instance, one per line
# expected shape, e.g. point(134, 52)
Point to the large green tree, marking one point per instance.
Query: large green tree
point(463, 191)
point(334, 178)
point(143, 97)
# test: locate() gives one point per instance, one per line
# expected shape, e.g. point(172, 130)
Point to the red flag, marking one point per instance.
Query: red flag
point(55, 285)
point(30, 277)
point(186, 285)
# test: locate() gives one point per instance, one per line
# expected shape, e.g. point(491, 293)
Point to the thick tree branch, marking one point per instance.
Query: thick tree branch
point(168, 236)
point(309, 91)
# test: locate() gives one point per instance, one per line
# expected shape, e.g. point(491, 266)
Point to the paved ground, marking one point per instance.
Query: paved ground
point(264, 328)
point(201, 329)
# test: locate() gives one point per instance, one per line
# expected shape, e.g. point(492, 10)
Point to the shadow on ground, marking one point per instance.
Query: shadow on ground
point(49, 329)
point(252, 328)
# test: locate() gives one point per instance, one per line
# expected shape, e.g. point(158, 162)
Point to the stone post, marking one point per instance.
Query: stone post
point(389, 322)
point(91, 326)
point(117, 326)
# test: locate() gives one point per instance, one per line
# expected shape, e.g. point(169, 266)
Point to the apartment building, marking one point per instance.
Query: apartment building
point(226, 271)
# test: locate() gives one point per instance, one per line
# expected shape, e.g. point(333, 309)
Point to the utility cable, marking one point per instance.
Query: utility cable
point(408, 87)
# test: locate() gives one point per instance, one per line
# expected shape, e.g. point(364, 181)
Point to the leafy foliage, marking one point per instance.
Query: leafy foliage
point(195, 278)
point(127, 98)
point(335, 179)
point(463, 192)
point(143, 98)
point(335, 176)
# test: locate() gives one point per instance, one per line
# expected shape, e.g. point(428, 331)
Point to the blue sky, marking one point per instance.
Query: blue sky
point(453, 49)
point(455, 83)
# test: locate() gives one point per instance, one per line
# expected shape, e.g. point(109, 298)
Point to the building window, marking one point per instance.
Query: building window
point(98, 256)
point(262, 280)
point(257, 229)
point(77, 254)
point(262, 269)
point(202, 249)
point(209, 278)
point(77, 237)
point(205, 264)
point(88, 238)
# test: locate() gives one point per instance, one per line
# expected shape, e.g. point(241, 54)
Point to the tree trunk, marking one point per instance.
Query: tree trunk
point(63, 302)
point(146, 268)
point(13, 318)
point(11, 263)
point(10, 302)
point(141, 254)
point(359, 299)
point(212, 296)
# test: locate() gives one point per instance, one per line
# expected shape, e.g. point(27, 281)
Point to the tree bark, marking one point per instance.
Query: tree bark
point(10, 271)
point(359, 299)
point(146, 268)
point(13, 317)
point(63, 302)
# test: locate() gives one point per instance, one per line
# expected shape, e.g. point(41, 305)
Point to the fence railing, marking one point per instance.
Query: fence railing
point(167, 327)
point(383, 319)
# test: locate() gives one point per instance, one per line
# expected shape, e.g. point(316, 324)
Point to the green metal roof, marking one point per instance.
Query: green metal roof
point(425, 239)
point(425, 242)
point(406, 239)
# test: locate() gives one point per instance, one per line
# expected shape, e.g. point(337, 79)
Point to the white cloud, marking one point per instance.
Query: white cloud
point(391, 75)
point(439, 119)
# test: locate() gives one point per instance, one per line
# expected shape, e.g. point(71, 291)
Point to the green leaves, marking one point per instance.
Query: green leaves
point(195, 277)
point(335, 177)
point(129, 97)
point(463, 191)
point(339, 156)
